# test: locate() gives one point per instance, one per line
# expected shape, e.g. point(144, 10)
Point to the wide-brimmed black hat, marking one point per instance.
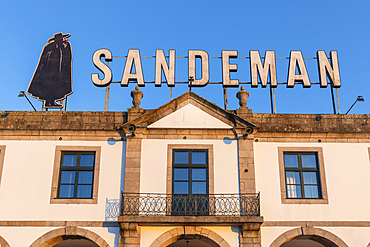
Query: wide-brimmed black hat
point(59, 36)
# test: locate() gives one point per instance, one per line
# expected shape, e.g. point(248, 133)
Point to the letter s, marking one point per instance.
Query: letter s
point(102, 67)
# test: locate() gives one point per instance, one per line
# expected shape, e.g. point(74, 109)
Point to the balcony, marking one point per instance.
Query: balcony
point(169, 209)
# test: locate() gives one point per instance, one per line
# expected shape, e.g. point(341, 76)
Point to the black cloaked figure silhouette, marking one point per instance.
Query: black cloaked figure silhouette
point(52, 79)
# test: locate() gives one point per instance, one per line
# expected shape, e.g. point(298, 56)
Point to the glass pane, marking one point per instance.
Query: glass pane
point(181, 157)
point(181, 174)
point(85, 177)
point(290, 160)
point(293, 191)
point(199, 158)
point(199, 174)
point(69, 159)
point(311, 191)
point(87, 160)
point(181, 188)
point(199, 188)
point(309, 178)
point(308, 160)
point(84, 191)
point(68, 177)
point(292, 178)
point(66, 191)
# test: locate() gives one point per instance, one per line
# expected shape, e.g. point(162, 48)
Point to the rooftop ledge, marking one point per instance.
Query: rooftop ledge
point(108, 121)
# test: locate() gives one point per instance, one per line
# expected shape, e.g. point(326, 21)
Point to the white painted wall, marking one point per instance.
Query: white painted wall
point(153, 173)
point(27, 176)
point(189, 116)
point(347, 172)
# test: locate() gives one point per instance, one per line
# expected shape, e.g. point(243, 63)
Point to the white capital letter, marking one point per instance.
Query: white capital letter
point(102, 67)
point(133, 58)
point(227, 68)
point(263, 70)
point(325, 68)
point(297, 58)
point(168, 71)
point(203, 55)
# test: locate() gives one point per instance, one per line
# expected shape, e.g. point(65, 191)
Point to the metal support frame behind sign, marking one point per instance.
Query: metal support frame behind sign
point(327, 66)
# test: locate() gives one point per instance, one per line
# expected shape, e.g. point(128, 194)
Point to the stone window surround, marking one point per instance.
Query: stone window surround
point(170, 149)
point(2, 156)
point(324, 192)
point(56, 170)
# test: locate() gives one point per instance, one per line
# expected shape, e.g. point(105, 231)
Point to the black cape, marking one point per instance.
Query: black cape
point(52, 79)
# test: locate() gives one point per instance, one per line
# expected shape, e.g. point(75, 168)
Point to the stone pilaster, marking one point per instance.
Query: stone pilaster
point(251, 235)
point(134, 112)
point(133, 165)
point(129, 235)
point(246, 165)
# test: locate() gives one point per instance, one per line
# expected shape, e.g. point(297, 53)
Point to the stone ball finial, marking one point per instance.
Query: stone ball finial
point(136, 97)
point(242, 95)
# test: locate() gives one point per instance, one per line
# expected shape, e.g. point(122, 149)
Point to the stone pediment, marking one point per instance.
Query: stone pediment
point(189, 117)
point(189, 111)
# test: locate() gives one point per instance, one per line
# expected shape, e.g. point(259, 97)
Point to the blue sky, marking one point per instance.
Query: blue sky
point(212, 26)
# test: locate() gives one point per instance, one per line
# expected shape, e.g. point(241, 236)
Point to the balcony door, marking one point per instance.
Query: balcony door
point(190, 182)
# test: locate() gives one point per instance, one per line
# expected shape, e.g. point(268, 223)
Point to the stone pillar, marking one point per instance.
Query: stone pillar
point(246, 165)
point(129, 235)
point(133, 165)
point(251, 235)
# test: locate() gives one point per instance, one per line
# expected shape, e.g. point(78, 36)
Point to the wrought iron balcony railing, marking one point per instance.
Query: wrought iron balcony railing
point(190, 205)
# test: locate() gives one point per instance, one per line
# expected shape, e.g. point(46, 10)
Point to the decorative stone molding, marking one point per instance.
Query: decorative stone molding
point(135, 111)
point(321, 171)
point(242, 95)
point(172, 236)
point(53, 237)
point(130, 235)
point(251, 235)
point(56, 174)
point(3, 242)
point(2, 156)
point(136, 95)
point(316, 233)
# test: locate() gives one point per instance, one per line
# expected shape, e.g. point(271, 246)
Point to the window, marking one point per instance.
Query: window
point(190, 178)
point(190, 182)
point(2, 156)
point(76, 175)
point(302, 175)
point(186, 150)
point(190, 172)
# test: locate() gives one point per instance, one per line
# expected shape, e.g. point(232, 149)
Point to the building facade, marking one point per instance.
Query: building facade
point(185, 174)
